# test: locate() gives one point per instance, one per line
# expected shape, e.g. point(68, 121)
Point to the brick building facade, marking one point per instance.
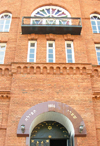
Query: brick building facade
point(55, 71)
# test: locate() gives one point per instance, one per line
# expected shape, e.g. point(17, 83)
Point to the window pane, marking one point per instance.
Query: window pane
point(1, 27)
point(1, 53)
point(98, 22)
point(93, 22)
point(1, 58)
point(32, 50)
point(94, 28)
point(2, 21)
point(31, 56)
point(6, 27)
point(50, 55)
point(68, 45)
point(7, 22)
point(50, 50)
point(1, 62)
point(50, 44)
point(50, 60)
point(98, 58)
point(69, 50)
point(32, 44)
point(94, 31)
point(98, 53)
point(99, 27)
point(2, 47)
point(6, 16)
point(98, 48)
point(31, 60)
point(70, 61)
point(69, 56)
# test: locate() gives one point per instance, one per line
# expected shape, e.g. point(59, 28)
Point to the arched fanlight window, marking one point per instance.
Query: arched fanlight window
point(5, 20)
point(50, 11)
point(95, 22)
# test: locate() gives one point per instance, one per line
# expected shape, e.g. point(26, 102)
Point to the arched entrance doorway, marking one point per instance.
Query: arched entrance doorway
point(52, 111)
point(58, 118)
point(50, 133)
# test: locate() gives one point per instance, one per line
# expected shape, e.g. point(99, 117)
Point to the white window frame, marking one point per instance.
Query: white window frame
point(73, 59)
point(29, 50)
point(53, 42)
point(3, 30)
point(2, 44)
point(97, 45)
point(95, 22)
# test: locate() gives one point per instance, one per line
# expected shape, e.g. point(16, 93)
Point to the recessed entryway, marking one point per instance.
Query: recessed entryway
point(58, 142)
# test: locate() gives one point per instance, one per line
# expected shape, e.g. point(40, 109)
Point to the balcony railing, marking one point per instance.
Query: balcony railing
point(56, 25)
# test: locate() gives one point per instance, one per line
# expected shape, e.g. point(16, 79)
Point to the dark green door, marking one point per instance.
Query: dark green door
point(49, 133)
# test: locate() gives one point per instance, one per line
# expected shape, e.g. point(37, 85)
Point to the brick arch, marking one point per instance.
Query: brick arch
point(95, 12)
point(49, 106)
point(6, 11)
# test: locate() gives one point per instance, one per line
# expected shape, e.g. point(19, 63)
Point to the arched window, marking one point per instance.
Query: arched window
point(51, 11)
point(5, 20)
point(95, 22)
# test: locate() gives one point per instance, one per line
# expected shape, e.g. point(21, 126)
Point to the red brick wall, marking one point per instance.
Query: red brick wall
point(73, 87)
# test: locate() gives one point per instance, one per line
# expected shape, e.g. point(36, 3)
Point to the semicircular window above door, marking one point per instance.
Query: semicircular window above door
point(49, 133)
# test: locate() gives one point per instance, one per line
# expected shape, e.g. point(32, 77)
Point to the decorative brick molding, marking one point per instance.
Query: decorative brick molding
point(5, 94)
point(50, 36)
point(5, 70)
point(69, 37)
point(58, 69)
point(50, 68)
point(32, 36)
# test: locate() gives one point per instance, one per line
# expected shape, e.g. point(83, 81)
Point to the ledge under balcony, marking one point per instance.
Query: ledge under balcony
point(55, 25)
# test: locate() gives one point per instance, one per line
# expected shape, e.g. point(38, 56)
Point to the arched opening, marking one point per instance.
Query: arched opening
point(51, 128)
point(51, 12)
point(49, 133)
point(5, 21)
point(52, 111)
point(95, 22)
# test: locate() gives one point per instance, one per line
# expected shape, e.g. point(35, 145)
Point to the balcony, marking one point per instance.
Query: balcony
point(55, 25)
